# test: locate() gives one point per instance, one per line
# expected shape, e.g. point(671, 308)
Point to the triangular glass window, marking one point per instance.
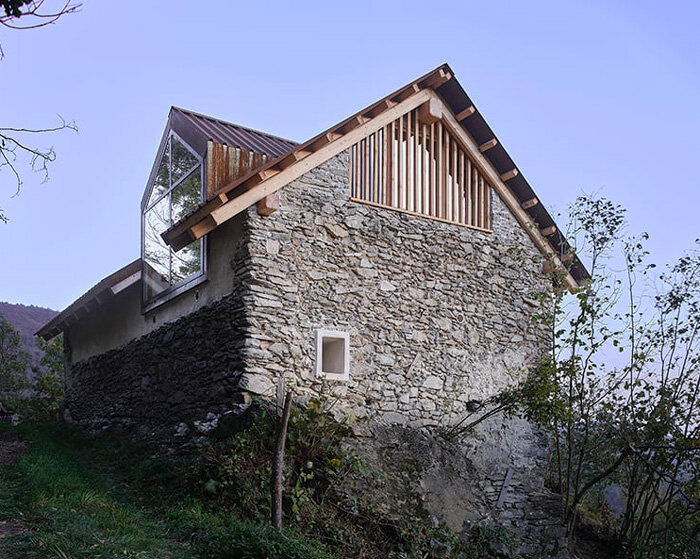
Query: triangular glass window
point(175, 191)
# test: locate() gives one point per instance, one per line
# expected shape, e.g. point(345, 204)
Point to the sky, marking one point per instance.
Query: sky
point(586, 97)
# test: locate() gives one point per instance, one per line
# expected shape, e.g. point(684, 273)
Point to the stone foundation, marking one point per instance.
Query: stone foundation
point(166, 384)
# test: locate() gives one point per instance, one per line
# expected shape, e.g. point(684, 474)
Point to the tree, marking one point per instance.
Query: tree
point(618, 388)
point(15, 142)
point(622, 387)
point(13, 366)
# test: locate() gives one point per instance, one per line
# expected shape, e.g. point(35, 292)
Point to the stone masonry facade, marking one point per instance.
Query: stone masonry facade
point(439, 317)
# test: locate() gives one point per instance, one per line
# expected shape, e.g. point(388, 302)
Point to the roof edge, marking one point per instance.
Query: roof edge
point(105, 289)
point(442, 81)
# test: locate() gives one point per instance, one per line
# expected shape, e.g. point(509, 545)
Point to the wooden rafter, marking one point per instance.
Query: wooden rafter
point(182, 233)
point(240, 194)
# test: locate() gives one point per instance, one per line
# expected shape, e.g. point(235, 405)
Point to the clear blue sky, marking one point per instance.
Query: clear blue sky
point(597, 96)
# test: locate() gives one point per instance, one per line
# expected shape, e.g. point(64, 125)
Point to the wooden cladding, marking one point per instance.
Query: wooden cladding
point(421, 169)
point(226, 164)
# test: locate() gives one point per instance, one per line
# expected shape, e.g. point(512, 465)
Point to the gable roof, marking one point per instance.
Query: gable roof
point(93, 297)
point(466, 122)
point(196, 129)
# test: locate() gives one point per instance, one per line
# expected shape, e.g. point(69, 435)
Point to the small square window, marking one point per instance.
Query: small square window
point(332, 355)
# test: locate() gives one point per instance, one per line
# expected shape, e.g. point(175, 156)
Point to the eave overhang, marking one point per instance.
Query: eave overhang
point(459, 113)
point(102, 291)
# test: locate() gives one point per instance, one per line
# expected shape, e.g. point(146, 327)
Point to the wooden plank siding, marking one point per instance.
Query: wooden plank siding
point(422, 170)
point(225, 164)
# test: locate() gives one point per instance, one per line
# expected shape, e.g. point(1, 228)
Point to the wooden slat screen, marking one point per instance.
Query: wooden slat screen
point(421, 169)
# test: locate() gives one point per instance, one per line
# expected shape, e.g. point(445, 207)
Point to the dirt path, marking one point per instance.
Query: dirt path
point(11, 448)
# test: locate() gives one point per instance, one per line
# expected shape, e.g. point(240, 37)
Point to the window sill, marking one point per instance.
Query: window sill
point(173, 292)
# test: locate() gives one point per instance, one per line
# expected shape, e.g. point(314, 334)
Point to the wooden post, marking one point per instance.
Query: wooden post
point(278, 462)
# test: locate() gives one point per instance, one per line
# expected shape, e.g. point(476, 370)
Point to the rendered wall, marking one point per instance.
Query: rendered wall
point(120, 321)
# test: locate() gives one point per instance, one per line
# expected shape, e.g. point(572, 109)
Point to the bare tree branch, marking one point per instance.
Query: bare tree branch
point(13, 146)
point(21, 15)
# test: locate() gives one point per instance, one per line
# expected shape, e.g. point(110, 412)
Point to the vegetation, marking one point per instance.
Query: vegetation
point(16, 142)
point(40, 397)
point(618, 390)
point(77, 497)
point(82, 498)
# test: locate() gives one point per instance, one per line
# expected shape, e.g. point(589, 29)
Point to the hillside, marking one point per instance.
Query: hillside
point(27, 319)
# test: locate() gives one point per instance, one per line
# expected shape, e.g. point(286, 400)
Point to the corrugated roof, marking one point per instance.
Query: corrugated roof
point(188, 123)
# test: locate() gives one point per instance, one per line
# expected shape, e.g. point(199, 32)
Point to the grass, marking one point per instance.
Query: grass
point(81, 498)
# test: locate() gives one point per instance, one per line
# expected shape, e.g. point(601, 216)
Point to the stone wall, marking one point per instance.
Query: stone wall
point(439, 317)
point(175, 381)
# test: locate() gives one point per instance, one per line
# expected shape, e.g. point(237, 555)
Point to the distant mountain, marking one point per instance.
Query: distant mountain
point(27, 319)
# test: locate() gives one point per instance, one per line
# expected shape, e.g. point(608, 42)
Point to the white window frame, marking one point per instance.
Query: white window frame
point(322, 333)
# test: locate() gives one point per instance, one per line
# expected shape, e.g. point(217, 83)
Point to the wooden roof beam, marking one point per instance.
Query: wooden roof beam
point(437, 79)
point(293, 157)
point(326, 139)
point(430, 111)
point(330, 147)
point(268, 205)
point(505, 193)
point(509, 175)
point(267, 173)
point(466, 113)
point(548, 230)
point(488, 145)
point(354, 122)
point(531, 203)
point(380, 107)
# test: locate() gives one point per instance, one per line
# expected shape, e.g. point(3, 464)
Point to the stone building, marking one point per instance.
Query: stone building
point(393, 262)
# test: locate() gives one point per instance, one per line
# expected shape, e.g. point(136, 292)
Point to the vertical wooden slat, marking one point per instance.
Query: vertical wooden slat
point(415, 146)
point(468, 192)
point(477, 200)
point(431, 170)
point(438, 171)
point(409, 163)
point(455, 191)
point(419, 167)
point(423, 181)
point(394, 165)
point(480, 223)
point(385, 164)
point(461, 186)
point(488, 207)
point(367, 174)
point(374, 167)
